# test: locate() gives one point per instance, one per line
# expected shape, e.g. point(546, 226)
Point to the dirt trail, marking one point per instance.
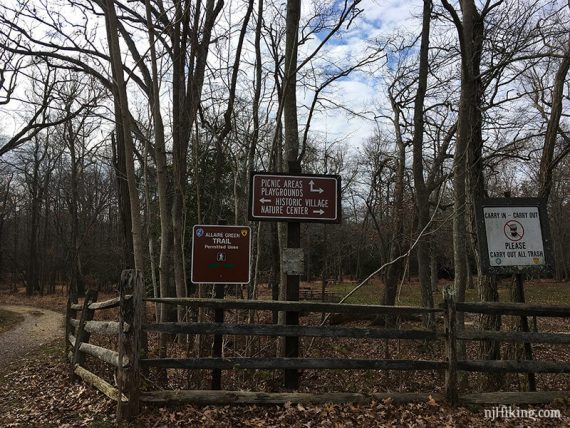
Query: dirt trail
point(40, 326)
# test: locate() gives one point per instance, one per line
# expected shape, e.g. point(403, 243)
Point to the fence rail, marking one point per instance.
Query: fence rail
point(107, 304)
point(520, 309)
point(128, 359)
point(293, 363)
point(290, 330)
point(248, 397)
point(294, 306)
point(515, 336)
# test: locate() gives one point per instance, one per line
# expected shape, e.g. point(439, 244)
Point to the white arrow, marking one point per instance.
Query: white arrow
point(263, 200)
point(313, 189)
point(320, 212)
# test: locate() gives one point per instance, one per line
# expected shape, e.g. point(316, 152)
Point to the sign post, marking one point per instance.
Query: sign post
point(220, 255)
point(294, 198)
point(514, 238)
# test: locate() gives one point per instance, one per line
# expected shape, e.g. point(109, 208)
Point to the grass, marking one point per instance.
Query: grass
point(9, 320)
point(536, 291)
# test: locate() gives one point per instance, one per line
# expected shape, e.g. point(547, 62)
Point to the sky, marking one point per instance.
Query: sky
point(360, 92)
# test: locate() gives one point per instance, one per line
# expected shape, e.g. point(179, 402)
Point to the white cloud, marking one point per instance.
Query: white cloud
point(357, 92)
point(334, 123)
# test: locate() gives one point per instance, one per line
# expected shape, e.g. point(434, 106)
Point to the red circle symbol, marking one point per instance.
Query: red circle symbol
point(514, 231)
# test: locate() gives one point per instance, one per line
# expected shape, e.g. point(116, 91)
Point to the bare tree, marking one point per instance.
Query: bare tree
point(125, 120)
point(469, 140)
point(422, 192)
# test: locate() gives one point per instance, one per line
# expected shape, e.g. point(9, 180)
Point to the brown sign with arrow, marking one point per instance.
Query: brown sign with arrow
point(302, 198)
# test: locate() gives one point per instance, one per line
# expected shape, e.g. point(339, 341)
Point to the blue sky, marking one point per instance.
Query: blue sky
point(360, 92)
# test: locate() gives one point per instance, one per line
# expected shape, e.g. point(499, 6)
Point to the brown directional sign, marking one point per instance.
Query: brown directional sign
point(303, 198)
point(221, 254)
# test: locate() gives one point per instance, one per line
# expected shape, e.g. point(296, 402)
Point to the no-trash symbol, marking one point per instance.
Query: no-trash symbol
point(514, 231)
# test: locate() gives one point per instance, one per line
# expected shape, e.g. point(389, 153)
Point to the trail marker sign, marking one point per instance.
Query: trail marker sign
point(221, 254)
point(513, 235)
point(296, 198)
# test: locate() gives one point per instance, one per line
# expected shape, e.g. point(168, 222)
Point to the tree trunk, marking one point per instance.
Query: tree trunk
point(119, 163)
point(77, 284)
point(290, 82)
point(433, 267)
point(253, 147)
point(422, 193)
point(394, 271)
point(3, 214)
point(188, 76)
point(121, 94)
point(292, 152)
point(32, 277)
point(546, 160)
point(468, 124)
point(167, 313)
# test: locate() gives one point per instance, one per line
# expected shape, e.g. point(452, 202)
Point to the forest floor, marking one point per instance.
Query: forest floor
point(37, 389)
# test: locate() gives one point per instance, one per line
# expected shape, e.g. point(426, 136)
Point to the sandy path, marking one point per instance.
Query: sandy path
point(40, 326)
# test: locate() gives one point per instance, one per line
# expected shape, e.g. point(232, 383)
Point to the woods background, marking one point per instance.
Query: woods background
point(125, 123)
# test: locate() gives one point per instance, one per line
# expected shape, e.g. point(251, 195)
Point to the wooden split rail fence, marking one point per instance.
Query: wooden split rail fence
point(128, 359)
point(124, 360)
point(307, 293)
point(522, 310)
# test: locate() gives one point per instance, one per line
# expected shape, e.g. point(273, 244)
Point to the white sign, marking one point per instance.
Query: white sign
point(514, 236)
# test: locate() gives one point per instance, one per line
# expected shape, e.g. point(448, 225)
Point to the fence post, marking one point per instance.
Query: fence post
point(81, 335)
point(131, 289)
point(69, 315)
point(451, 346)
